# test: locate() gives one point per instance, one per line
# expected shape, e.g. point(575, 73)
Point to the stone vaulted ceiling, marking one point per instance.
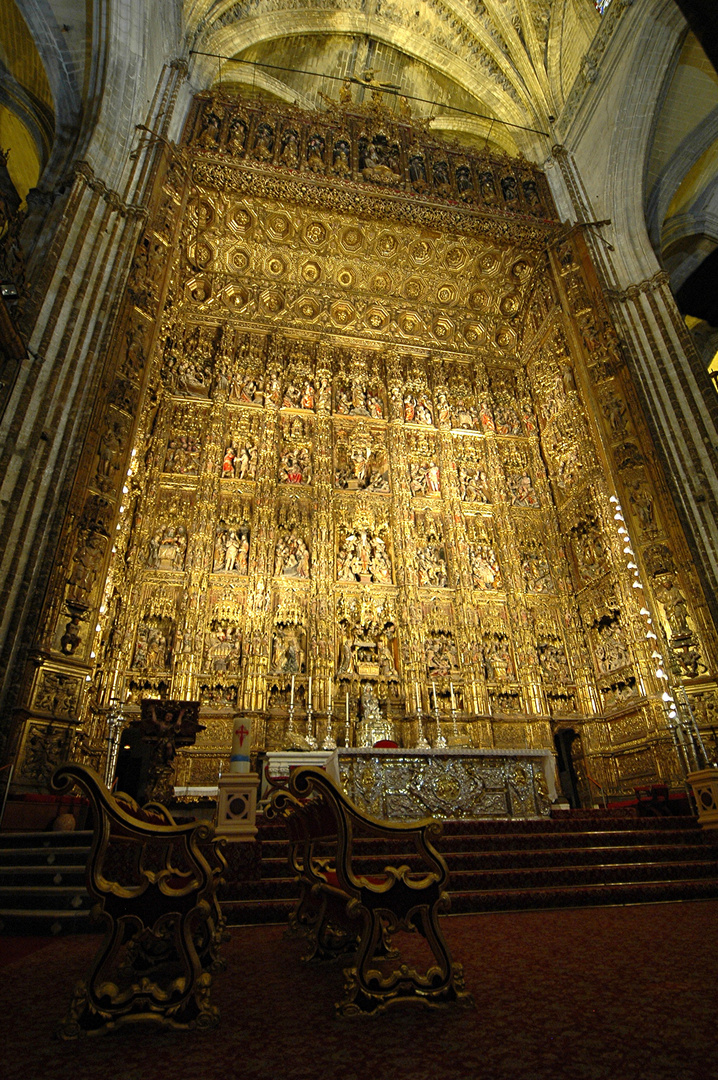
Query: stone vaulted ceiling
point(497, 62)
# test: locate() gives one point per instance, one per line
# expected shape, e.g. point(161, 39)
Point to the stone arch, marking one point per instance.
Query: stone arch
point(60, 68)
point(656, 42)
point(686, 155)
point(267, 27)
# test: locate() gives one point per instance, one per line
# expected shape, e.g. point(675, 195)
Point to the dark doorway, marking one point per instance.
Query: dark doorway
point(698, 295)
point(132, 764)
point(563, 740)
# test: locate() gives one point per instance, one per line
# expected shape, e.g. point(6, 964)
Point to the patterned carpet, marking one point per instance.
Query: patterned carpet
point(621, 993)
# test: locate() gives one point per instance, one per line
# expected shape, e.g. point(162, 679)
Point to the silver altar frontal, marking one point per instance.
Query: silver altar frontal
point(403, 785)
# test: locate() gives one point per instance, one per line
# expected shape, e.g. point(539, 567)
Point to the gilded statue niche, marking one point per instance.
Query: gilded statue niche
point(295, 454)
point(486, 574)
point(183, 445)
point(361, 459)
point(363, 556)
point(231, 551)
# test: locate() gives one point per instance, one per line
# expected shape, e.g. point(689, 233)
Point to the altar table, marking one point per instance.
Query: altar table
point(403, 785)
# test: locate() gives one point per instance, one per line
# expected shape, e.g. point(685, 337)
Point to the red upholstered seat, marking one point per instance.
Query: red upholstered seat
point(386, 744)
point(130, 807)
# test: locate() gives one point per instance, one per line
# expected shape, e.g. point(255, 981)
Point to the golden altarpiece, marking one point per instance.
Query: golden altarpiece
point(366, 421)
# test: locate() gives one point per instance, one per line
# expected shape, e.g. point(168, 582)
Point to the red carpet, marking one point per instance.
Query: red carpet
point(591, 994)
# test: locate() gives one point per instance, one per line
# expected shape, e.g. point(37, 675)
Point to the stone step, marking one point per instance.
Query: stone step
point(598, 821)
point(449, 845)
point(41, 922)
point(274, 867)
point(79, 838)
point(38, 897)
point(57, 874)
point(653, 892)
point(605, 874)
point(597, 858)
point(50, 856)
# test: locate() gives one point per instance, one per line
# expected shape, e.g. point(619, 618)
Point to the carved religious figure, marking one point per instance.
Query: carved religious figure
point(498, 664)
point(224, 650)
point(675, 606)
point(307, 398)
point(182, 455)
point(506, 418)
point(363, 557)
point(423, 411)
point(536, 571)
point(485, 570)
point(237, 137)
point(431, 565)
point(340, 158)
point(295, 467)
point(288, 653)
point(611, 650)
point(87, 561)
point(231, 550)
point(440, 655)
point(552, 660)
point(465, 416)
point(291, 557)
point(424, 478)
point(522, 489)
point(473, 485)
point(167, 548)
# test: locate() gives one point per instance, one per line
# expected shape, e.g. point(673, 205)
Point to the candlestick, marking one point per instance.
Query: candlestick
point(422, 741)
point(440, 740)
point(329, 742)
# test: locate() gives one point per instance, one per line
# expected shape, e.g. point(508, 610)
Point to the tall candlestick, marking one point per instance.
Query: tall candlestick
point(433, 687)
point(310, 691)
point(453, 699)
point(291, 702)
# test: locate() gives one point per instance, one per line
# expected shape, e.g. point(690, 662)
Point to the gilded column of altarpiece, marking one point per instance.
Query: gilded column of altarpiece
point(363, 422)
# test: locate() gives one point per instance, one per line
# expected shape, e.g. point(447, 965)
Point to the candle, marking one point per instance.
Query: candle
point(433, 687)
point(453, 699)
point(329, 709)
point(476, 699)
point(292, 698)
point(310, 691)
point(347, 708)
point(418, 699)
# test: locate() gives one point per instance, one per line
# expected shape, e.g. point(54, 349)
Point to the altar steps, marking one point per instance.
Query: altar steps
point(571, 860)
point(42, 883)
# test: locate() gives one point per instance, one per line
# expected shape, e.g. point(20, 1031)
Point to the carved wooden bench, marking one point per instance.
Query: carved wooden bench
point(155, 891)
point(340, 911)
